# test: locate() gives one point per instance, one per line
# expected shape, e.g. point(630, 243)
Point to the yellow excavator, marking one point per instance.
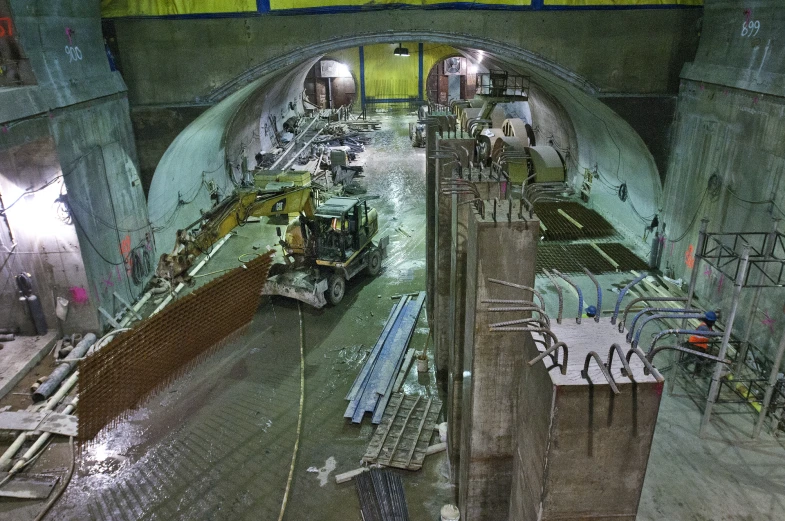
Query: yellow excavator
point(323, 248)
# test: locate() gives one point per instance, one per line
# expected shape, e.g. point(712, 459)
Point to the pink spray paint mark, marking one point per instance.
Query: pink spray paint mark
point(659, 387)
point(79, 295)
point(768, 321)
point(707, 272)
point(68, 33)
point(748, 15)
point(755, 100)
point(119, 273)
point(703, 87)
point(108, 283)
point(719, 284)
point(5, 129)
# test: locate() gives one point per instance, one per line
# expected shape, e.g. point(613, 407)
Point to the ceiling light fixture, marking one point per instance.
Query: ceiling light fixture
point(401, 51)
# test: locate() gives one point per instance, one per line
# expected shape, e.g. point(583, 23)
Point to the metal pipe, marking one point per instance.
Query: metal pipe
point(599, 293)
point(622, 293)
point(39, 443)
point(191, 273)
point(653, 352)
point(642, 312)
point(51, 403)
point(644, 299)
point(714, 391)
point(745, 344)
point(775, 369)
point(580, 294)
point(666, 332)
point(58, 375)
point(294, 158)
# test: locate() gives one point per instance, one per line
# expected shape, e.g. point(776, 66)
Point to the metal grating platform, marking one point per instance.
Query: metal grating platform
point(572, 258)
point(568, 220)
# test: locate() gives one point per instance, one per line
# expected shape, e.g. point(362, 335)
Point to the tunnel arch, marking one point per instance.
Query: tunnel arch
point(592, 137)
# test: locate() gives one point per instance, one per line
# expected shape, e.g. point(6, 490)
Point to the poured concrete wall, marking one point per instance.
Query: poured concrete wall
point(176, 61)
point(581, 451)
point(492, 360)
point(77, 114)
point(729, 129)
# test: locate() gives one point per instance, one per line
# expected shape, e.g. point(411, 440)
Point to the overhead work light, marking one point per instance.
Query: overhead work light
point(401, 50)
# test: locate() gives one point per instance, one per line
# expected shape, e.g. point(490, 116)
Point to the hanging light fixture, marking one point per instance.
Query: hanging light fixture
point(401, 51)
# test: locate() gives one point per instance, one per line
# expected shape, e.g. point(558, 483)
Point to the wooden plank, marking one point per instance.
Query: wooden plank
point(434, 449)
point(28, 486)
point(403, 428)
point(573, 221)
point(389, 427)
point(350, 475)
point(419, 430)
point(604, 255)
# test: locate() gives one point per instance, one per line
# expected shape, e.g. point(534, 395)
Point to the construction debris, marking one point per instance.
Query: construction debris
point(374, 385)
point(402, 440)
point(381, 496)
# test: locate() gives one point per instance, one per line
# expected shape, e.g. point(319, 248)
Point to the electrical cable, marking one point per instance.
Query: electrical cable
point(90, 242)
point(59, 493)
point(692, 221)
point(770, 201)
point(300, 415)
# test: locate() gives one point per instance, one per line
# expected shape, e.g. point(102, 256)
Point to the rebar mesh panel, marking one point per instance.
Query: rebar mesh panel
point(560, 228)
point(136, 364)
point(572, 258)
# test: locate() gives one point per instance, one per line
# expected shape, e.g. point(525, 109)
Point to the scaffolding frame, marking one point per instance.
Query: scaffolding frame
point(751, 260)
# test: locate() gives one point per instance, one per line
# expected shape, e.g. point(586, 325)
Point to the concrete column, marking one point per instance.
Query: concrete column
point(504, 248)
point(581, 450)
point(430, 215)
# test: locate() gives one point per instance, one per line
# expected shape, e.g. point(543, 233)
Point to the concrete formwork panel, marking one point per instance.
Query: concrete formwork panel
point(581, 450)
point(505, 249)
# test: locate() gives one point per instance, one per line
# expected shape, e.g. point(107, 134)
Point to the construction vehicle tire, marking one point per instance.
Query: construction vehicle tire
point(374, 262)
point(336, 288)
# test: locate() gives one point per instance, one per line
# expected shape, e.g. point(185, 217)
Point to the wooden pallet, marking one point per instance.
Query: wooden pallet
point(402, 438)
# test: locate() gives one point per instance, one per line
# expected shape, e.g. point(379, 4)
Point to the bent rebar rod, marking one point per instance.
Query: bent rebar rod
point(642, 312)
point(554, 348)
point(651, 354)
point(539, 310)
point(666, 332)
point(648, 367)
point(658, 317)
point(520, 286)
point(605, 373)
point(625, 370)
point(599, 293)
point(559, 293)
point(624, 292)
point(646, 299)
point(531, 320)
point(572, 283)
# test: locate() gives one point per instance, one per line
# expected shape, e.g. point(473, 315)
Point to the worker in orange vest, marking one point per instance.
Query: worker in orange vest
point(707, 324)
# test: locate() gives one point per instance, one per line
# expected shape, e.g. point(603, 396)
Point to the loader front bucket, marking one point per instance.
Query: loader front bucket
point(299, 286)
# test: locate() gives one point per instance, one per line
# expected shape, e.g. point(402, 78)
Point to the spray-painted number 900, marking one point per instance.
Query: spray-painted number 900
point(750, 28)
point(74, 54)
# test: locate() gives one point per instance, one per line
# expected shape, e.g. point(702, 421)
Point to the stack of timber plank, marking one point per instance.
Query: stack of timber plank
point(373, 387)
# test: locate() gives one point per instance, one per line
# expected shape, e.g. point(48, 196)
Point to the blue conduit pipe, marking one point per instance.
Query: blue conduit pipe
point(657, 317)
point(624, 292)
point(654, 310)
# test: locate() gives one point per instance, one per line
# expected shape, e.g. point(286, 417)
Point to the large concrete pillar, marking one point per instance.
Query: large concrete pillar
point(582, 450)
point(503, 247)
point(431, 188)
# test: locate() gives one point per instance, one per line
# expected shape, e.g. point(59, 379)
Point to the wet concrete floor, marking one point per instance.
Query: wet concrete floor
point(217, 444)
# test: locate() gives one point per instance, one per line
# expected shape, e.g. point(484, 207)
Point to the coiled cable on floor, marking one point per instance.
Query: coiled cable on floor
point(300, 415)
point(59, 493)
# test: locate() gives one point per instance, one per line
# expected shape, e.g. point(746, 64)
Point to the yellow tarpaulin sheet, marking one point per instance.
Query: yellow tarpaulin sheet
point(310, 4)
point(119, 8)
point(620, 3)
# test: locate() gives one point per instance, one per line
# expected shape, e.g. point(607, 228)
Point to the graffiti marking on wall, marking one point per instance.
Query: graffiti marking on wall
point(6, 28)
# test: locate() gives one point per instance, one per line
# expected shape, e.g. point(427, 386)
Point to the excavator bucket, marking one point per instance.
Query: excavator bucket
point(297, 285)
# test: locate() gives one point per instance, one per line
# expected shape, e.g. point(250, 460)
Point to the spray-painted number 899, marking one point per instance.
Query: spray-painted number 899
point(74, 54)
point(750, 28)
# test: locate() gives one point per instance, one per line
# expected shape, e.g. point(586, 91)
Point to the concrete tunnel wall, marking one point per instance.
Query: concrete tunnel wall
point(181, 184)
point(76, 109)
point(728, 157)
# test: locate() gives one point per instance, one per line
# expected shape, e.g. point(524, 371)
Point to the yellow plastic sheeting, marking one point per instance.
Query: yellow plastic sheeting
point(120, 8)
point(310, 4)
point(620, 3)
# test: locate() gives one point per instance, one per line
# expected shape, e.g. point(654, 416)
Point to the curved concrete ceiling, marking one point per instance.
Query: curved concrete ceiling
point(588, 133)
